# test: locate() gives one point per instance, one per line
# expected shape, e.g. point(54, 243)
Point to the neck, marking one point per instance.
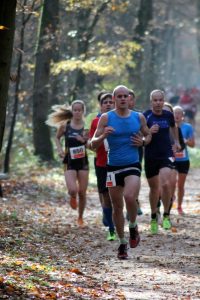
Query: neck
point(122, 112)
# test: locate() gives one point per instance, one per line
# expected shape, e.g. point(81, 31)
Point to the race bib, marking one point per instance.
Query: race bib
point(77, 152)
point(110, 180)
point(181, 154)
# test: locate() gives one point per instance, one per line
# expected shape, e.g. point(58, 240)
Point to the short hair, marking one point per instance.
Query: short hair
point(131, 92)
point(120, 87)
point(157, 91)
point(100, 94)
point(178, 107)
point(104, 96)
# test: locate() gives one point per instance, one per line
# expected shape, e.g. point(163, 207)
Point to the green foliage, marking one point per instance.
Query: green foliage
point(107, 60)
point(194, 154)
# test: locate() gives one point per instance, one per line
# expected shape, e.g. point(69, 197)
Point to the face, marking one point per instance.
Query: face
point(178, 115)
point(77, 111)
point(121, 98)
point(107, 105)
point(131, 102)
point(157, 102)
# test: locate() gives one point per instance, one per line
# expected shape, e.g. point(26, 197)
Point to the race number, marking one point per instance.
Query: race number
point(181, 154)
point(110, 180)
point(77, 152)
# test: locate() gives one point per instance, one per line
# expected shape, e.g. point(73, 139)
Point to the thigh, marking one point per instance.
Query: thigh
point(165, 174)
point(181, 179)
point(71, 178)
point(116, 195)
point(132, 186)
point(82, 179)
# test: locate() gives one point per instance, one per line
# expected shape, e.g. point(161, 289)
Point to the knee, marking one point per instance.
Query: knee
point(82, 193)
point(72, 192)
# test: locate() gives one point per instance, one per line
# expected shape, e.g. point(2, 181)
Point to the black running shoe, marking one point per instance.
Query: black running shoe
point(134, 237)
point(122, 251)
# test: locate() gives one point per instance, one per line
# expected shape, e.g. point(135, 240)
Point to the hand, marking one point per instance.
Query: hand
point(61, 153)
point(137, 140)
point(108, 130)
point(80, 138)
point(154, 128)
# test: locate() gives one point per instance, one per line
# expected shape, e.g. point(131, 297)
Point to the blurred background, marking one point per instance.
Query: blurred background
point(66, 50)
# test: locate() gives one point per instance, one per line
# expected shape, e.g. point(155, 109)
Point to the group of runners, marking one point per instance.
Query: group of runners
point(121, 138)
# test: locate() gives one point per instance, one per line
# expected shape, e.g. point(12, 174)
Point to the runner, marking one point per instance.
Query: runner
point(106, 104)
point(121, 127)
point(159, 157)
point(71, 126)
point(182, 161)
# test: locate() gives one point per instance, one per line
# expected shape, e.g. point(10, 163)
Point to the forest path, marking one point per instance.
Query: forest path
point(44, 255)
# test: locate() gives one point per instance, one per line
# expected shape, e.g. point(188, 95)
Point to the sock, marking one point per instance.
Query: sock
point(132, 225)
point(107, 211)
point(170, 207)
point(123, 241)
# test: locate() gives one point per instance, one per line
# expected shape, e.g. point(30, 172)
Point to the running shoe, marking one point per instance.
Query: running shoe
point(122, 251)
point(111, 236)
point(73, 203)
point(134, 237)
point(154, 226)
point(166, 223)
point(180, 211)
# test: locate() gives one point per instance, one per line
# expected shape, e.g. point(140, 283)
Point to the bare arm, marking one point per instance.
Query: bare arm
point(144, 138)
point(190, 142)
point(60, 132)
point(101, 132)
point(175, 136)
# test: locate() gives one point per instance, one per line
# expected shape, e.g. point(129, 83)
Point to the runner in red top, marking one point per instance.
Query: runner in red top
point(106, 104)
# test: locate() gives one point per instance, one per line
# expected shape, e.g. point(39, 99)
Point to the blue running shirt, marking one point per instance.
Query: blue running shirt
point(187, 132)
point(121, 151)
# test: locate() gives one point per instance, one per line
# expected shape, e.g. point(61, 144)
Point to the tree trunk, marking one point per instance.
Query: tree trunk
point(145, 13)
point(41, 102)
point(198, 27)
point(7, 19)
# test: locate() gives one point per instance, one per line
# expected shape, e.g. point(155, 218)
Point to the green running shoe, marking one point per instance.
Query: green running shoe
point(166, 223)
point(111, 236)
point(154, 226)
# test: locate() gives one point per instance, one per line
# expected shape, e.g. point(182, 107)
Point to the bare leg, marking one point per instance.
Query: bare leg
point(181, 190)
point(83, 183)
point(154, 192)
point(166, 189)
point(131, 191)
point(71, 182)
point(116, 194)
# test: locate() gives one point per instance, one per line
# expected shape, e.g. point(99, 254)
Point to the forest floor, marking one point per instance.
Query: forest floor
point(44, 255)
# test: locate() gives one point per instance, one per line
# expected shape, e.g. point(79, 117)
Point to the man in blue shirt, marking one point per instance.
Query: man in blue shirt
point(159, 157)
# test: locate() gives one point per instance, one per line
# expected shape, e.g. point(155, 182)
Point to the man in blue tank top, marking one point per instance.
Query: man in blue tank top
point(121, 127)
point(159, 157)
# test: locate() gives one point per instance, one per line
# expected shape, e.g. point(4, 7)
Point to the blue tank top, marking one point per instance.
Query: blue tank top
point(121, 151)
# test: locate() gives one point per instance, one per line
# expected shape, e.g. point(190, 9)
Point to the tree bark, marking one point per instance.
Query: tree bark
point(41, 103)
point(7, 19)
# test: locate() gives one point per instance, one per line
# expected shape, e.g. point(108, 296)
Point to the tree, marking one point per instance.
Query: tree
point(41, 103)
point(7, 22)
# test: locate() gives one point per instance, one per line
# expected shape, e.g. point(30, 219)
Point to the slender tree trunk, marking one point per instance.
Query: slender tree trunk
point(7, 19)
point(41, 101)
point(16, 97)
